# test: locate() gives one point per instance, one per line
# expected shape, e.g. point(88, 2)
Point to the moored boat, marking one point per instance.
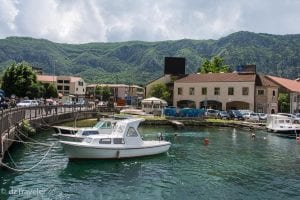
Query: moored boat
point(282, 126)
point(124, 142)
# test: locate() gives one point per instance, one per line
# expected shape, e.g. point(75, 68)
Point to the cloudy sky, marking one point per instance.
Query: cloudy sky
point(82, 21)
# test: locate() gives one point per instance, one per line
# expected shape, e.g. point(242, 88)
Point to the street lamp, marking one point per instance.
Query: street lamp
point(54, 71)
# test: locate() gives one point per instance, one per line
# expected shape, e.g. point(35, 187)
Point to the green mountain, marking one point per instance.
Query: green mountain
point(139, 62)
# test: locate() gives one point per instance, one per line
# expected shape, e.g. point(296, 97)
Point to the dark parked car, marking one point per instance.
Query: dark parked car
point(235, 114)
point(223, 115)
point(3, 105)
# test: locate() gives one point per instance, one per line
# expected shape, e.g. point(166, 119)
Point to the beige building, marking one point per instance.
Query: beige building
point(129, 94)
point(164, 80)
point(266, 95)
point(67, 86)
point(225, 91)
point(291, 87)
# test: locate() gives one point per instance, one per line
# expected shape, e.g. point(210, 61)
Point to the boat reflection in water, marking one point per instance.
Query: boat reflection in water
point(124, 142)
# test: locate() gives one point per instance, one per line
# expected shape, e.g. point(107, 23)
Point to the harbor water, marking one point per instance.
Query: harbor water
point(233, 165)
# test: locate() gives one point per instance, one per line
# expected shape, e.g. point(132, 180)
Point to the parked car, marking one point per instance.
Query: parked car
point(102, 104)
point(247, 115)
point(235, 114)
point(212, 113)
point(262, 116)
point(82, 102)
point(68, 103)
point(28, 103)
point(3, 105)
point(254, 117)
point(223, 115)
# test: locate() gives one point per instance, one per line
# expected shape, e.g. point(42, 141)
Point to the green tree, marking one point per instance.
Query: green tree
point(283, 102)
point(19, 79)
point(215, 65)
point(50, 91)
point(36, 90)
point(103, 93)
point(160, 91)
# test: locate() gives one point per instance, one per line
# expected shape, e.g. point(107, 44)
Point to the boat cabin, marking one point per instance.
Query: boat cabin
point(124, 132)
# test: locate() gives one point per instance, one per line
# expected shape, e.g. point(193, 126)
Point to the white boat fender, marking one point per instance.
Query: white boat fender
point(253, 135)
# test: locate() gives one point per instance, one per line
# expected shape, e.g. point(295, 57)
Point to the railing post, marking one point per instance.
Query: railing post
point(1, 145)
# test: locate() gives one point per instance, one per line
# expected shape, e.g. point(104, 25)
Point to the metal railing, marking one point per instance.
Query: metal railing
point(10, 117)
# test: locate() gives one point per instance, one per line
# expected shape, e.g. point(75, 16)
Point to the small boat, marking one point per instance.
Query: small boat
point(105, 126)
point(124, 142)
point(282, 126)
point(132, 111)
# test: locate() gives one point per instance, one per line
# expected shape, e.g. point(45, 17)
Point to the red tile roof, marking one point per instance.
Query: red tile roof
point(218, 77)
point(46, 78)
point(292, 85)
point(262, 80)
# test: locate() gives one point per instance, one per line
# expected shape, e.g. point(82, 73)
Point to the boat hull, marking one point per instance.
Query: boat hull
point(85, 152)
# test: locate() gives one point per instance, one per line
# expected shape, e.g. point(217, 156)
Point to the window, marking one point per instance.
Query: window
point(66, 81)
point(260, 92)
point(66, 87)
point(131, 132)
point(119, 141)
point(192, 91)
point(179, 91)
point(105, 141)
point(59, 87)
point(60, 81)
point(230, 91)
point(204, 91)
point(274, 93)
point(90, 133)
point(217, 91)
point(260, 110)
point(245, 91)
point(80, 83)
point(76, 89)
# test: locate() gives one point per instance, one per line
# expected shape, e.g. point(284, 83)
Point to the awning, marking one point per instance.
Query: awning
point(154, 100)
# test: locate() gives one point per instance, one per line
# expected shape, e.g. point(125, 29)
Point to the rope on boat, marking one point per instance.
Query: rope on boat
point(28, 169)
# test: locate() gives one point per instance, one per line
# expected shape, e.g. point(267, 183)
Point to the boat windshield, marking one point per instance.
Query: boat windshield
point(103, 124)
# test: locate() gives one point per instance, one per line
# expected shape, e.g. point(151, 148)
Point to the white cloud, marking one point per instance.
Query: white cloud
point(78, 21)
point(8, 14)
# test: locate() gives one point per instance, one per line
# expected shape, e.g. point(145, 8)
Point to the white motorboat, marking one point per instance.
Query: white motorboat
point(282, 125)
point(105, 126)
point(124, 142)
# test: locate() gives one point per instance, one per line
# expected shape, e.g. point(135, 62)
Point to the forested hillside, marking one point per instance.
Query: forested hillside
point(139, 62)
